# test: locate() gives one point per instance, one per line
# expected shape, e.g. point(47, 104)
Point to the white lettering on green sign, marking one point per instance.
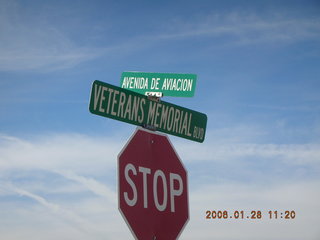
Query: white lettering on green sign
point(135, 83)
point(169, 84)
point(169, 118)
point(117, 103)
point(177, 84)
point(122, 105)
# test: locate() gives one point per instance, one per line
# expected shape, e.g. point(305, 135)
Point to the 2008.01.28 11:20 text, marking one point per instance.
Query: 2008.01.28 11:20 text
point(254, 214)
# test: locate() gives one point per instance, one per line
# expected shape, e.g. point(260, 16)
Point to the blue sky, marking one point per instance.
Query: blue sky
point(258, 72)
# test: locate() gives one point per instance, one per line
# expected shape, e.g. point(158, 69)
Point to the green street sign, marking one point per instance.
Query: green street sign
point(169, 84)
point(127, 106)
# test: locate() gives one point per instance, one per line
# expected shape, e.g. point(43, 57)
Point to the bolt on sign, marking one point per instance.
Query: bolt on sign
point(169, 84)
point(124, 105)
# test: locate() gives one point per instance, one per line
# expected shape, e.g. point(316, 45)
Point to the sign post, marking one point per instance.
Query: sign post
point(153, 188)
point(124, 105)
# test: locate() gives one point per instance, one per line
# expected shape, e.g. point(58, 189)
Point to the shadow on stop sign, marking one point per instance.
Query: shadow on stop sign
point(152, 188)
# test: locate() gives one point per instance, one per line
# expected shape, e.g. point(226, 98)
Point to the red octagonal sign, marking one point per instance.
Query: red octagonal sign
point(153, 188)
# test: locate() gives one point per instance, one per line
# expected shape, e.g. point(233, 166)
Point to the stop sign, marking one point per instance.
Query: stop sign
point(153, 189)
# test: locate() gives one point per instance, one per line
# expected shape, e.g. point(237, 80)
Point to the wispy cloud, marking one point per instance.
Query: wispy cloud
point(38, 44)
point(34, 43)
point(244, 28)
point(48, 177)
point(85, 227)
point(61, 175)
point(91, 184)
point(56, 152)
point(291, 153)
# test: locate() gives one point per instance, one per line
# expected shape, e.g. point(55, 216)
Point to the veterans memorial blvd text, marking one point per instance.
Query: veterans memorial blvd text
point(124, 105)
